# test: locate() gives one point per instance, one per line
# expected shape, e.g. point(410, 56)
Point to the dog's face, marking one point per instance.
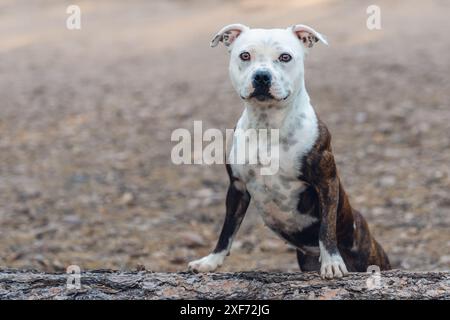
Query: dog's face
point(266, 65)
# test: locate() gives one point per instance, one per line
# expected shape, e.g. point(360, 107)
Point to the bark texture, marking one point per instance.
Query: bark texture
point(107, 284)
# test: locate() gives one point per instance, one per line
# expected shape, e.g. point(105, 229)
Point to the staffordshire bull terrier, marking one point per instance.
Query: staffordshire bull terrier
point(304, 202)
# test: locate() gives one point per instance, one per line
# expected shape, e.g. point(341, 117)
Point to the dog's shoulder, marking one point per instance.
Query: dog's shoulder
point(323, 142)
point(318, 163)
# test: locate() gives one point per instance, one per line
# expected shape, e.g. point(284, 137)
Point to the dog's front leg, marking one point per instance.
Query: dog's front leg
point(332, 264)
point(236, 206)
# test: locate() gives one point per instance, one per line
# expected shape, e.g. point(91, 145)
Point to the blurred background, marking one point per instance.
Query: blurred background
point(86, 118)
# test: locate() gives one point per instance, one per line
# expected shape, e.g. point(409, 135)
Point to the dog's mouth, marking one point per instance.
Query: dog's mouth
point(261, 95)
point(264, 96)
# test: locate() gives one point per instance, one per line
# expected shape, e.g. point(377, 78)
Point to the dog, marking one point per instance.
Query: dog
point(304, 202)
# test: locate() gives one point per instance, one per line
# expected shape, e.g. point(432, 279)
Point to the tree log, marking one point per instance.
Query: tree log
point(108, 284)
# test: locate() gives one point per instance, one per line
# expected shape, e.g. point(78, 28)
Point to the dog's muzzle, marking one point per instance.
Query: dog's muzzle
point(262, 80)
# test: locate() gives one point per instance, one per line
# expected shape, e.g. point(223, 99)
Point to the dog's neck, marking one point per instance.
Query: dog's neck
point(274, 116)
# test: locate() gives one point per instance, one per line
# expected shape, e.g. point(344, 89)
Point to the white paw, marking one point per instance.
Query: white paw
point(333, 267)
point(206, 264)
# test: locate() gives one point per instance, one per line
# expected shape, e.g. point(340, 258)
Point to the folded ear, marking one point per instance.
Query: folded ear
point(308, 35)
point(228, 34)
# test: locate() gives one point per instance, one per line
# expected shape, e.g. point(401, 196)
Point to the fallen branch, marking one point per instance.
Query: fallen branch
point(106, 284)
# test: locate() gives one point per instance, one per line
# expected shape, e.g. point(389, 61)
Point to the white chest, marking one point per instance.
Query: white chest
point(276, 194)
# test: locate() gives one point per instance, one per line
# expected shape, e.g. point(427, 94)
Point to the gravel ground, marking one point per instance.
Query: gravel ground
point(86, 118)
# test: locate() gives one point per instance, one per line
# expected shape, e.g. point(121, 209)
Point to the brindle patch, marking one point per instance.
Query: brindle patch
point(331, 203)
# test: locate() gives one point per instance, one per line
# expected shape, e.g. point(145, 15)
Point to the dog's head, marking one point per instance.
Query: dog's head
point(266, 65)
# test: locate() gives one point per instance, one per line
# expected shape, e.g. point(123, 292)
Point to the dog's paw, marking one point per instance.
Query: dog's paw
point(333, 267)
point(206, 264)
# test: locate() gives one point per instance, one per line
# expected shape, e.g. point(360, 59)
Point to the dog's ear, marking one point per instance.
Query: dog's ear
point(228, 34)
point(307, 35)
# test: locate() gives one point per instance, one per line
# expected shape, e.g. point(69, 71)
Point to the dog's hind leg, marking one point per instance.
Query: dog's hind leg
point(307, 262)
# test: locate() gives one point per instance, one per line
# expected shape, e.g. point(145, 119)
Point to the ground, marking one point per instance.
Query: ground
point(86, 118)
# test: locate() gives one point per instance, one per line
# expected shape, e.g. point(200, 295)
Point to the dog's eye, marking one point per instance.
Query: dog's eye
point(285, 57)
point(245, 56)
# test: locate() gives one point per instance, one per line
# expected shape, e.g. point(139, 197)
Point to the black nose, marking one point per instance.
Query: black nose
point(262, 78)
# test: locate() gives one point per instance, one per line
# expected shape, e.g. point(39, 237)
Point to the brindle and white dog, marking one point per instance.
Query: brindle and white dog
point(304, 202)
